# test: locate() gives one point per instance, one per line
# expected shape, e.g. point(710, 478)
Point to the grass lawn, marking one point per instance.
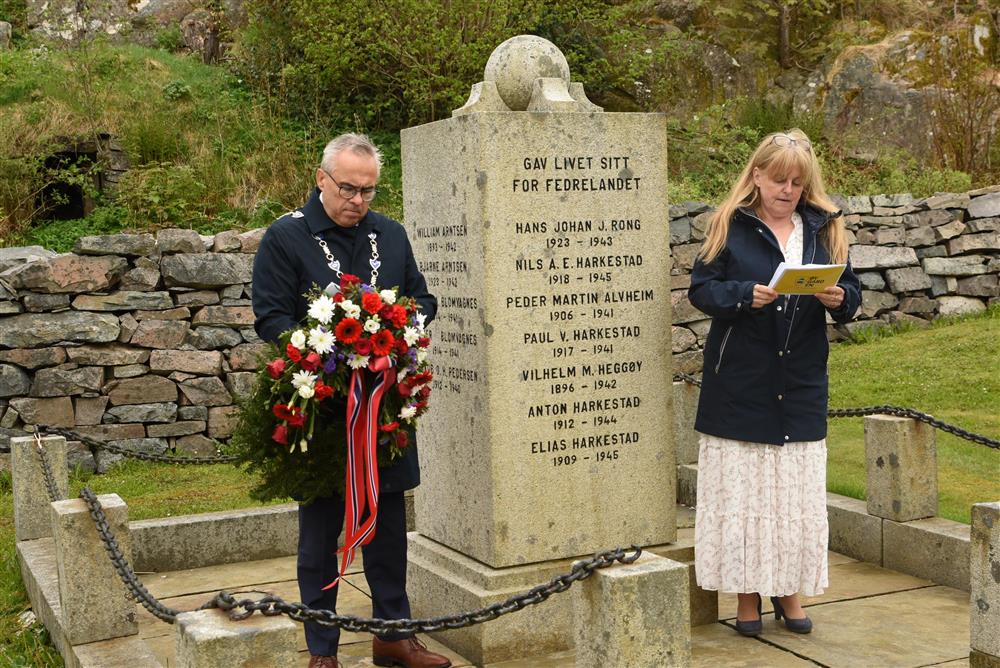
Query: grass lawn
point(951, 370)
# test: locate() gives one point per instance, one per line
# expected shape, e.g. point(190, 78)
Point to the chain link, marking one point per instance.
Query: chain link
point(889, 410)
point(50, 478)
point(135, 588)
point(271, 606)
point(916, 415)
point(135, 454)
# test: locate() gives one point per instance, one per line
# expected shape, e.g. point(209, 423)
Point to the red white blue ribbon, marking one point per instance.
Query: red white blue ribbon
point(361, 489)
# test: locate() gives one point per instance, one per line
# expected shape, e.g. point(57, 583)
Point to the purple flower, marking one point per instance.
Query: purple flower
point(331, 364)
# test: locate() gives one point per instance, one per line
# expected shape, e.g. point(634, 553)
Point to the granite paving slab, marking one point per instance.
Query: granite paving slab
point(848, 579)
point(919, 627)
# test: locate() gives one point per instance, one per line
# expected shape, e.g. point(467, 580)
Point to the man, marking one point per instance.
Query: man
point(334, 233)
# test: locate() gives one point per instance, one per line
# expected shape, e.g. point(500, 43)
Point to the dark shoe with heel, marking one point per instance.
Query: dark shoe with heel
point(803, 625)
point(754, 626)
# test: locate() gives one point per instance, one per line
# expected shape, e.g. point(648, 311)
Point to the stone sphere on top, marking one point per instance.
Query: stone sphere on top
point(516, 63)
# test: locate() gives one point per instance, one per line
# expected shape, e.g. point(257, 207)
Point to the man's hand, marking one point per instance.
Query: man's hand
point(763, 295)
point(831, 297)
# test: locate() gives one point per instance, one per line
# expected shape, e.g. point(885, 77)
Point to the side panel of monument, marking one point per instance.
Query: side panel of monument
point(545, 237)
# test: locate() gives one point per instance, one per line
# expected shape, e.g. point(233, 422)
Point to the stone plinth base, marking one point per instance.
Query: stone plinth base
point(441, 581)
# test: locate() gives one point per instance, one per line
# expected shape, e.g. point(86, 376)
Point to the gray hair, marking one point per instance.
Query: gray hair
point(356, 143)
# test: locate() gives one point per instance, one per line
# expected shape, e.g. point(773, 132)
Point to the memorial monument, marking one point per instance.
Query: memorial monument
point(541, 224)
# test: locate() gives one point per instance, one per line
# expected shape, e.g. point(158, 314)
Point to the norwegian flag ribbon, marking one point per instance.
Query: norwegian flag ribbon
point(361, 489)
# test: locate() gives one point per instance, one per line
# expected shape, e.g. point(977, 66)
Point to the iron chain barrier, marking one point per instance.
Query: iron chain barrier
point(888, 410)
point(271, 606)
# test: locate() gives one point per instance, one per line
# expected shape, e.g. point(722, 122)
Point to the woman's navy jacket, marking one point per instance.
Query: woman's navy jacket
point(765, 377)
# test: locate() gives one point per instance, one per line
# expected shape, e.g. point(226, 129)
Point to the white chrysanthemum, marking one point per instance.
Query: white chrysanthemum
point(298, 338)
point(321, 309)
point(407, 412)
point(371, 325)
point(388, 296)
point(411, 336)
point(302, 379)
point(306, 391)
point(321, 340)
point(357, 361)
point(402, 371)
point(421, 355)
point(421, 319)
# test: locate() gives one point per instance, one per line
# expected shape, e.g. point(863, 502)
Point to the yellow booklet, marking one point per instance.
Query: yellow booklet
point(805, 279)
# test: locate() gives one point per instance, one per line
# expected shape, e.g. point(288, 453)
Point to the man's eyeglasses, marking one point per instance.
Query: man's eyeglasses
point(784, 140)
point(348, 191)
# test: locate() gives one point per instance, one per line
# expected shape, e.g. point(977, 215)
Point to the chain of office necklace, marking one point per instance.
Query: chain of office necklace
point(334, 263)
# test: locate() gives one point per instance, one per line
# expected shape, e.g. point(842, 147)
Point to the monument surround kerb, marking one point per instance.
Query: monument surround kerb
point(541, 223)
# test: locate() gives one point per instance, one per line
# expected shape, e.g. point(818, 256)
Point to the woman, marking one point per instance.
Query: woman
point(761, 526)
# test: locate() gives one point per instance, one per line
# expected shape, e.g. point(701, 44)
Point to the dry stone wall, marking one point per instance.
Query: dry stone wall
point(144, 341)
point(916, 259)
point(148, 340)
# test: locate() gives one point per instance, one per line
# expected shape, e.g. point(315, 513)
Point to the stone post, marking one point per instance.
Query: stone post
point(541, 224)
point(32, 517)
point(634, 615)
point(209, 639)
point(95, 604)
point(901, 459)
point(685, 407)
point(984, 567)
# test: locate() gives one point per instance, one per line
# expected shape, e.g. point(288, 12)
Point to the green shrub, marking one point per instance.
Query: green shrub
point(162, 195)
point(169, 38)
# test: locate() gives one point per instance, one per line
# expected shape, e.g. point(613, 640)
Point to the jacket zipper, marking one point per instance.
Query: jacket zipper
point(722, 348)
point(795, 308)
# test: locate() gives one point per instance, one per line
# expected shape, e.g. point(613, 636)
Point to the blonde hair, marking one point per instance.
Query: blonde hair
point(777, 161)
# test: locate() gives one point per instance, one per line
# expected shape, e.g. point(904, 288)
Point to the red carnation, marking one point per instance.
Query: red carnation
point(404, 388)
point(280, 434)
point(276, 368)
point(383, 342)
point(290, 414)
point(398, 316)
point(363, 346)
point(293, 353)
point(322, 391)
point(371, 302)
point(311, 362)
point(392, 426)
point(347, 280)
point(401, 346)
point(297, 420)
point(424, 392)
point(402, 440)
point(348, 330)
point(424, 341)
point(339, 297)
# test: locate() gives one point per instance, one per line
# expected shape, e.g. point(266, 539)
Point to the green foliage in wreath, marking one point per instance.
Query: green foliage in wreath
point(285, 472)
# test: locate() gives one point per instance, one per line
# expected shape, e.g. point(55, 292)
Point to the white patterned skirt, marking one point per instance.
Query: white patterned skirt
point(760, 524)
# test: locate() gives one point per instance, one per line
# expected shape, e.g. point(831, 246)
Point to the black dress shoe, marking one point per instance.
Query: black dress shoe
point(803, 625)
point(752, 627)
